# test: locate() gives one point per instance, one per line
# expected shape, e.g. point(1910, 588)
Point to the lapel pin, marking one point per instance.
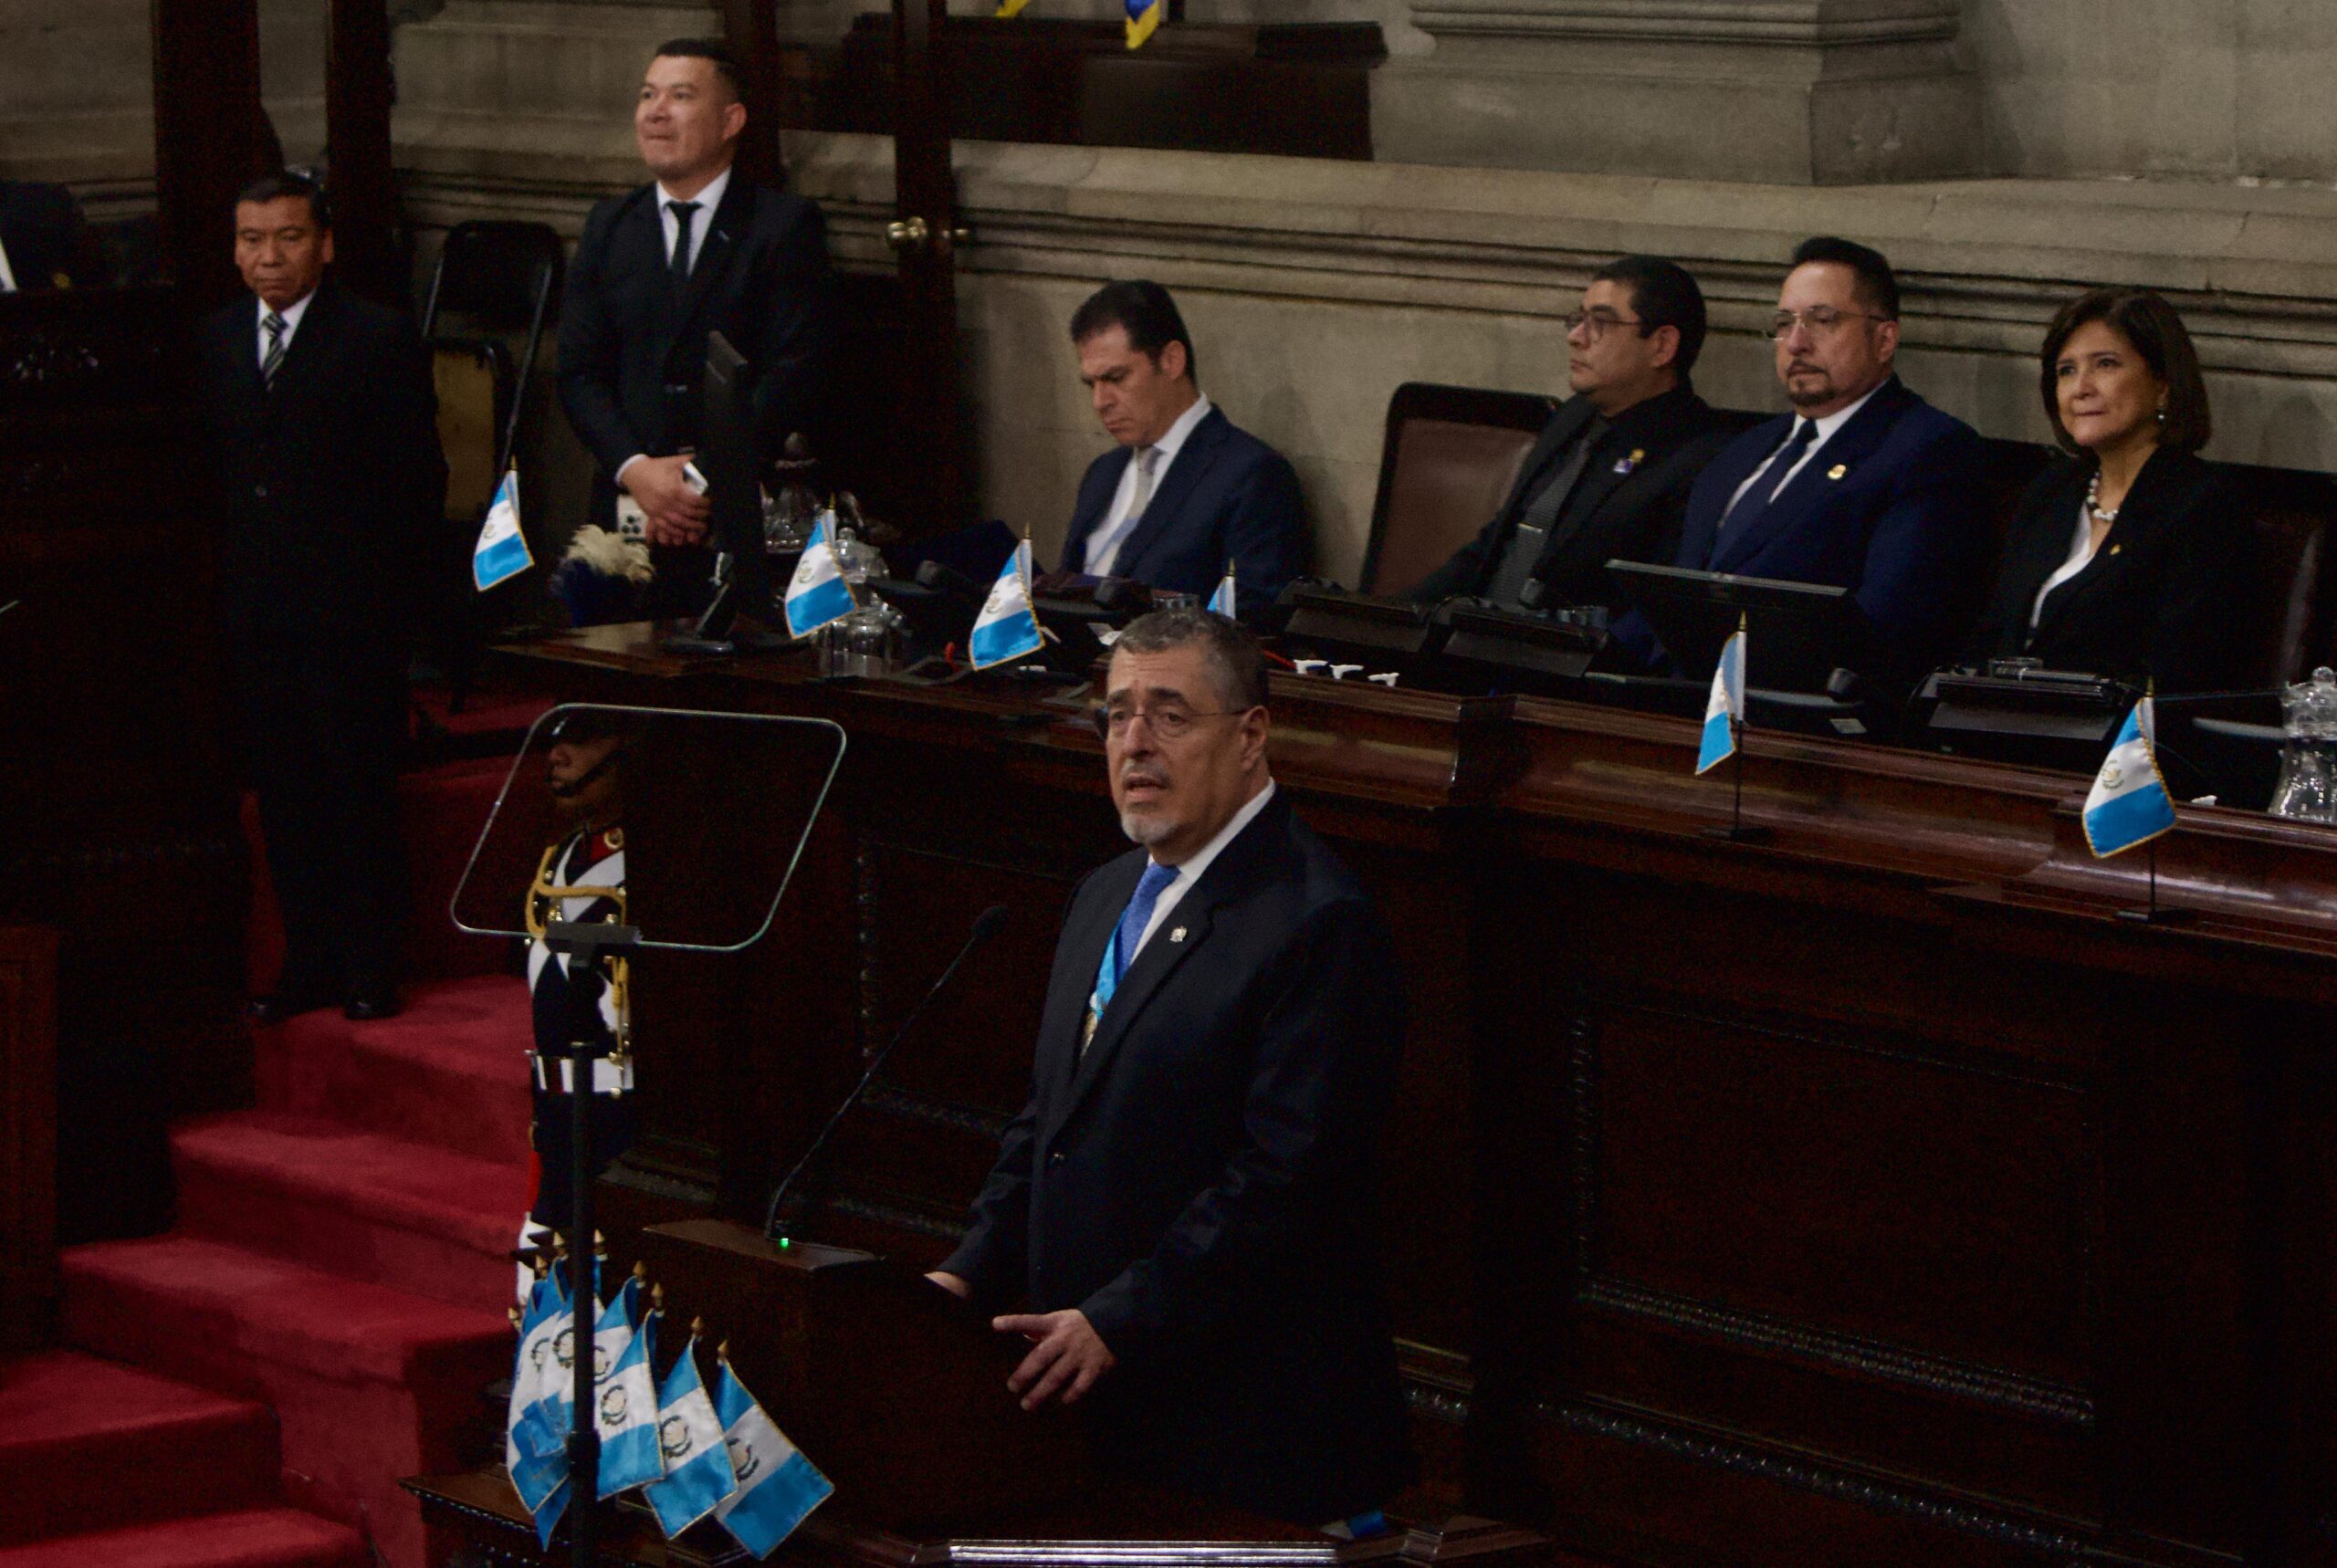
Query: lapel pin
point(1836, 471)
point(2115, 549)
point(1177, 934)
point(1625, 464)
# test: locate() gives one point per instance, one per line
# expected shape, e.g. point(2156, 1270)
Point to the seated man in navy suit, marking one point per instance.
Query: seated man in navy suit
point(1864, 485)
point(1182, 1219)
point(1185, 493)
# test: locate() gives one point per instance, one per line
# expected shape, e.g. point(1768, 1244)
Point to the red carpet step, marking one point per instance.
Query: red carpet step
point(252, 1538)
point(367, 1382)
point(451, 1069)
point(360, 1205)
point(88, 1445)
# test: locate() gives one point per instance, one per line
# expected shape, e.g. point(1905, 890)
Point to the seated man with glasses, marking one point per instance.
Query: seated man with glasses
point(1864, 485)
point(1609, 475)
point(1182, 1219)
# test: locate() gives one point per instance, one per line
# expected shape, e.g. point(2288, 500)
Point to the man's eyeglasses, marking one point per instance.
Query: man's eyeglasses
point(1823, 320)
point(1167, 723)
point(1595, 324)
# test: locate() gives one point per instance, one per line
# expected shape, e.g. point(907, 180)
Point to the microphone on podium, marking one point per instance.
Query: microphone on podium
point(986, 925)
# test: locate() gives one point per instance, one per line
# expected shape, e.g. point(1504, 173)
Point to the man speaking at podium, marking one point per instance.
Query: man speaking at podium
point(1186, 1209)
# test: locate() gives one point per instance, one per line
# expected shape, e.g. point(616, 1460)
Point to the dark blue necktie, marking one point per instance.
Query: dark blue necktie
point(1756, 501)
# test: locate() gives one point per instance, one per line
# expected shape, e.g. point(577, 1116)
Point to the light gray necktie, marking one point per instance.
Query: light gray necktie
point(1138, 498)
point(273, 361)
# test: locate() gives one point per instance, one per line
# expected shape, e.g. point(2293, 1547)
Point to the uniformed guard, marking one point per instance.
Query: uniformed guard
point(580, 878)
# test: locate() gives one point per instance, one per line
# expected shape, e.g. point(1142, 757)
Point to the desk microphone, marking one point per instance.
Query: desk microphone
point(986, 926)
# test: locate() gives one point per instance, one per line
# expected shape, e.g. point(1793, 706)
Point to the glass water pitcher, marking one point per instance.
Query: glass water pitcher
point(2306, 789)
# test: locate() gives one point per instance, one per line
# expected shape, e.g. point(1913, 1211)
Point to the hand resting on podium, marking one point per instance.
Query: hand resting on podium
point(1067, 1356)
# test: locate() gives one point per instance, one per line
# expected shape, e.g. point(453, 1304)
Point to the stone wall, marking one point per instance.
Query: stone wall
point(2209, 89)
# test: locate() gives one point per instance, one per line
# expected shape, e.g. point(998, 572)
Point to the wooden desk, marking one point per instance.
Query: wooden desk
point(1874, 1196)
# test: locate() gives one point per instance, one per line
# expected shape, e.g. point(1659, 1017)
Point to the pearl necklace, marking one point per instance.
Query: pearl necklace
point(2092, 500)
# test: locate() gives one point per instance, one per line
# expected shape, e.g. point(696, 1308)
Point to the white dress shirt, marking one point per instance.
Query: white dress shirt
point(1103, 544)
point(1826, 429)
point(1190, 872)
point(291, 314)
point(2080, 553)
point(669, 225)
point(700, 220)
point(7, 273)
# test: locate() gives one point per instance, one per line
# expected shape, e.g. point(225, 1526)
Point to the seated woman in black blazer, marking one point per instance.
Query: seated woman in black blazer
point(2128, 561)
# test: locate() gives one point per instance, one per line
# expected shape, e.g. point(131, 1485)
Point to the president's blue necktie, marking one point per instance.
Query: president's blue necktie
point(1123, 944)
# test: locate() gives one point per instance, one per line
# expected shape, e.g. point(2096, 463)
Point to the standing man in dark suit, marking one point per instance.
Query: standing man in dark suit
point(1864, 485)
point(1186, 1209)
point(696, 251)
point(44, 243)
point(324, 428)
point(1609, 477)
point(1185, 491)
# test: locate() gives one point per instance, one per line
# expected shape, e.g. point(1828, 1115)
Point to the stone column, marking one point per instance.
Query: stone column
point(1786, 91)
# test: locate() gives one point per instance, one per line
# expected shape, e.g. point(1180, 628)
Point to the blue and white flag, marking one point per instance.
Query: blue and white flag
point(817, 594)
point(2128, 804)
point(698, 1458)
point(625, 1406)
point(1006, 629)
point(542, 1390)
point(778, 1486)
point(1224, 601)
point(1724, 711)
point(547, 1516)
point(501, 553)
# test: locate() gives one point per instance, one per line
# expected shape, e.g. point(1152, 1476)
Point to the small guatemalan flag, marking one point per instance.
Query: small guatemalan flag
point(1725, 709)
point(2129, 804)
point(1223, 600)
point(501, 553)
point(697, 1457)
point(1006, 629)
point(627, 1413)
point(778, 1486)
point(817, 594)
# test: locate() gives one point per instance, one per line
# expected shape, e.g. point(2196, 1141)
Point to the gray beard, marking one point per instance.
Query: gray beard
point(1145, 831)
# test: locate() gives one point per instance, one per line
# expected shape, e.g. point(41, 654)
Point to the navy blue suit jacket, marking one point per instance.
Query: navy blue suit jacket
point(1228, 496)
point(1890, 507)
point(1202, 1182)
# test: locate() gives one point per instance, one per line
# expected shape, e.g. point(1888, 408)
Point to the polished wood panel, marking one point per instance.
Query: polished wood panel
point(1877, 1194)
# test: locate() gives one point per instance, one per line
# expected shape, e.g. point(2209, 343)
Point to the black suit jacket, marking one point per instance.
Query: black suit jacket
point(48, 245)
point(1627, 504)
point(632, 347)
point(2165, 597)
point(1203, 1183)
point(1228, 496)
point(332, 481)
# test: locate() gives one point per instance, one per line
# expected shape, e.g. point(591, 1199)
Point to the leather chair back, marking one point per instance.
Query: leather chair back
point(1449, 457)
point(2292, 604)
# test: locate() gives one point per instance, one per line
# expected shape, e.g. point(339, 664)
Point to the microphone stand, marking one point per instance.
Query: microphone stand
point(583, 944)
point(986, 925)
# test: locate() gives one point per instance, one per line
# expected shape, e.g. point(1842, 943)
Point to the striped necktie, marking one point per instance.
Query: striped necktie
point(273, 361)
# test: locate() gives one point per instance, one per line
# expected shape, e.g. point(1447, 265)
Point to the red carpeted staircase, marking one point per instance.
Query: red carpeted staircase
point(246, 1390)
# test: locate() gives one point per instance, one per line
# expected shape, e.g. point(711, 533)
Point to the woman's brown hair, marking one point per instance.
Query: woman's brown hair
point(2157, 333)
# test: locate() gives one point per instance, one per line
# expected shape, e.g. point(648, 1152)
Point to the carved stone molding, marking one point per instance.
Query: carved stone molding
point(1801, 24)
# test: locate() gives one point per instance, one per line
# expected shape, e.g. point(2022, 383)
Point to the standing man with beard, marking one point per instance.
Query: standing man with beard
point(657, 270)
point(1184, 1214)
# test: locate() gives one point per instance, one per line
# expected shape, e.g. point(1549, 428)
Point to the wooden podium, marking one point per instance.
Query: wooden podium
point(897, 1392)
